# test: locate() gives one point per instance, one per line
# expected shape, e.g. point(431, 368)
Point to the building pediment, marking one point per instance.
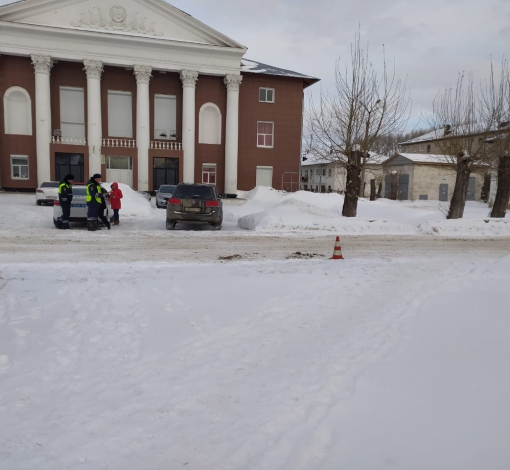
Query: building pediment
point(147, 18)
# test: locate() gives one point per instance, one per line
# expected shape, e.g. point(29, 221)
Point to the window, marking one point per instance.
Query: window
point(17, 111)
point(19, 167)
point(329, 172)
point(428, 148)
point(209, 173)
point(265, 131)
point(317, 171)
point(165, 120)
point(266, 95)
point(209, 126)
point(324, 172)
point(120, 114)
point(72, 112)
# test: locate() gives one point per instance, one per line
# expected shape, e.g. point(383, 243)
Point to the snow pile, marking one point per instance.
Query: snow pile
point(134, 204)
point(268, 210)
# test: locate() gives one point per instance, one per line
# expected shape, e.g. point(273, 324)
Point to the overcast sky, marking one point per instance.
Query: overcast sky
point(430, 41)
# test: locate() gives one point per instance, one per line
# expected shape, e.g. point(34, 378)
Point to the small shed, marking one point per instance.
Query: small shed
point(422, 176)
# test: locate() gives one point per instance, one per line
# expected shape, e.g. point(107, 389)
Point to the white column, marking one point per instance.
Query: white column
point(94, 69)
point(42, 66)
point(233, 83)
point(189, 80)
point(143, 137)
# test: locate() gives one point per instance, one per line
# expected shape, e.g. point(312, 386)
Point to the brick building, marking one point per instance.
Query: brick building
point(142, 93)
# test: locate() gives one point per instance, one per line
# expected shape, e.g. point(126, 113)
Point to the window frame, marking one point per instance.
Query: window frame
point(260, 134)
point(209, 165)
point(28, 108)
point(27, 165)
point(266, 89)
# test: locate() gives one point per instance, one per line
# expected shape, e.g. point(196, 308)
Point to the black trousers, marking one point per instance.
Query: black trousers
point(66, 213)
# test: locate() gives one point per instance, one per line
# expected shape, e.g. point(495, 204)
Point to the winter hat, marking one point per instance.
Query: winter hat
point(96, 175)
point(69, 177)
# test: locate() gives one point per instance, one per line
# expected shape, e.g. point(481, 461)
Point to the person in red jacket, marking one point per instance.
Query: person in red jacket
point(115, 197)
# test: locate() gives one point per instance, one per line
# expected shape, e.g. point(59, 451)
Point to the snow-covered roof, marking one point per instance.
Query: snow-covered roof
point(258, 67)
point(425, 157)
point(375, 159)
point(458, 131)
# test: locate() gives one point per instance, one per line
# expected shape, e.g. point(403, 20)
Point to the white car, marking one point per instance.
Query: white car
point(47, 192)
point(78, 206)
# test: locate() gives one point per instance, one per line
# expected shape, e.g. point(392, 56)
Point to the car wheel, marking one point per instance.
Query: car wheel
point(158, 206)
point(170, 225)
point(38, 202)
point(217, 226)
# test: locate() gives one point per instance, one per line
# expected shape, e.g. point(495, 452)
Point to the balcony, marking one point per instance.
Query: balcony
point(124, 143)
point(159, 145)
point(64, 140)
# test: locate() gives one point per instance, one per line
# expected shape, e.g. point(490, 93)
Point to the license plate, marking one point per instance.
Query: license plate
point(192, 209)
point(50, 197)
point(78, 205)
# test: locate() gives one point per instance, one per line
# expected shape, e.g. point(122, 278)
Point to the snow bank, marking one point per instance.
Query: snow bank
point(133, 203)
point(269, 210)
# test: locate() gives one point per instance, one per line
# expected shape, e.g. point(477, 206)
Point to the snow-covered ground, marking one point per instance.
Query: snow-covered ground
point(391, 359)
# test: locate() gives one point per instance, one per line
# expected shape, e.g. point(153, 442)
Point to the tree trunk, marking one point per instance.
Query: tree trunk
point(503, 192)
point(352, 186)
point(372, 190)
point(458, 201)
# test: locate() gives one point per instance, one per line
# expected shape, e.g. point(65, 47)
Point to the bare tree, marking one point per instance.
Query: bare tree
point(463, 131)
point(345, 125)
point(496, 109)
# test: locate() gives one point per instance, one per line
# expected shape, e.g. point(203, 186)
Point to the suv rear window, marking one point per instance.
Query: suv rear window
point(194, 192)
point(50, 184)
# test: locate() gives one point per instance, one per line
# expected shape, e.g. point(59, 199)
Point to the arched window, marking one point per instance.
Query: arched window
point(209, 124)
point(17, 111)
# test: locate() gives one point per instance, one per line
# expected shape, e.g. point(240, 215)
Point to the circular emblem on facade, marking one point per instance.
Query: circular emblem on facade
point(118, 14)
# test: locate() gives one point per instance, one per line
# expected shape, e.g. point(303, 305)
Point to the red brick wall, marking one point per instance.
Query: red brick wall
point(211, 90)
point(17, 71)
point(285, 112)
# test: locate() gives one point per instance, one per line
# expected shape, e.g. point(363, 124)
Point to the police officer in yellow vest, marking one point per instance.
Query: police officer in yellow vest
point(94, 200)
point(65, 196)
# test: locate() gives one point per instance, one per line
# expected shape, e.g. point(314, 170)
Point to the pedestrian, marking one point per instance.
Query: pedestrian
point(102, 216)
point(115, 197)
point(95, 198)
point(65, 197)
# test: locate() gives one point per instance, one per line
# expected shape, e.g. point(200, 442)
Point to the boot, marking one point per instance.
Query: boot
point(116, 222)
point(108, 225)
point(91, 225)
point(65, 225)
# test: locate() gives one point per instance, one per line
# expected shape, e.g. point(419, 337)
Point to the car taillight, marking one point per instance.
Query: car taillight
point(174, 200)
point(39, 191)
point(212, 204)
point(56, 202)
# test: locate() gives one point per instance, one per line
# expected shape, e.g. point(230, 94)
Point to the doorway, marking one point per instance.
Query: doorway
point(165, 171)
point(264, 176)
point(69, 163)
point(470, 195)
point(443, 192)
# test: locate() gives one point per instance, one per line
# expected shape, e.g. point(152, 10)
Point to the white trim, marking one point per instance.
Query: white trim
point(215, 172)
point(29, 110)
point(219, 117)
point(27, 165)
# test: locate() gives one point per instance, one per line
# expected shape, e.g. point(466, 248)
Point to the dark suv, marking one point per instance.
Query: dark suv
point(194, 204)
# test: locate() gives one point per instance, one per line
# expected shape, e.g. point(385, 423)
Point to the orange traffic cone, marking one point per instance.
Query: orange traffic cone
point(337, 252)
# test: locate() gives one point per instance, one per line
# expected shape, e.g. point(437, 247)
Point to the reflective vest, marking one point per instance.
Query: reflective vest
point(62, 185)
point(89, 197)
